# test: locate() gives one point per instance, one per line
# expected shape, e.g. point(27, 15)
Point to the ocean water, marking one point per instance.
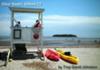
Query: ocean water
point(70, 41)
point(64, 41)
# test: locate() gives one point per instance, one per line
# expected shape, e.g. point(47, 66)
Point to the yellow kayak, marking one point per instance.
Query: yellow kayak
point(71, 59)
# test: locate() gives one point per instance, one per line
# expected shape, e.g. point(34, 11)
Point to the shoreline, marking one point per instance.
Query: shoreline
point(46, 46)
point(57, 44)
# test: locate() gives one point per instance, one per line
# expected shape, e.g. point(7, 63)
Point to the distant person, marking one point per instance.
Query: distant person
point(18, 24)
point(37, 24)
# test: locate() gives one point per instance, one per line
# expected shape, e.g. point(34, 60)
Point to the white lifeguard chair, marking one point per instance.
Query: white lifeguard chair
point(20, 36)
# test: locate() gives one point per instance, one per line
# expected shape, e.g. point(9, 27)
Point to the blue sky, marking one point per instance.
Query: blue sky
point(80, 17)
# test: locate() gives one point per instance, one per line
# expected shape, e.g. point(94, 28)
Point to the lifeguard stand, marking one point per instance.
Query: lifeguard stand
point(20, 36)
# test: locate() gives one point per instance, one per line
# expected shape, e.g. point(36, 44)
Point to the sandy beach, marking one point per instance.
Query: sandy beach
point(89, 60)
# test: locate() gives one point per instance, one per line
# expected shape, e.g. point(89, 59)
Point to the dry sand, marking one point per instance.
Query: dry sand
point(89, 60)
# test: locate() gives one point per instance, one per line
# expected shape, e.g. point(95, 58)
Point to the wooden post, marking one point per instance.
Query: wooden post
point(8, 56)
point(11, 36)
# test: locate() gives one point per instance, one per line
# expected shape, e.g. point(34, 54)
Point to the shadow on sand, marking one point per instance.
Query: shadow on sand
point(17, 55)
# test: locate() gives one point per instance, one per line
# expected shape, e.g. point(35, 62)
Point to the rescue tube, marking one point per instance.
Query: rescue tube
point(52, 55)
point(70, 59)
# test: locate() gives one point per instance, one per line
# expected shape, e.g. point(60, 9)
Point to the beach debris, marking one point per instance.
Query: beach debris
point(10, 60)
point(40, 65)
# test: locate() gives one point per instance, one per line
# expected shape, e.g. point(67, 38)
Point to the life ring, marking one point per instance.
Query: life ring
point(36, 36)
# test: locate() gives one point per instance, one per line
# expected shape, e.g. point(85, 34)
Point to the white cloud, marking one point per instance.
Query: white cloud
point(4, 28)
point(54, 21)
point(4, 16)
point(4, 24)
point(70, 19)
